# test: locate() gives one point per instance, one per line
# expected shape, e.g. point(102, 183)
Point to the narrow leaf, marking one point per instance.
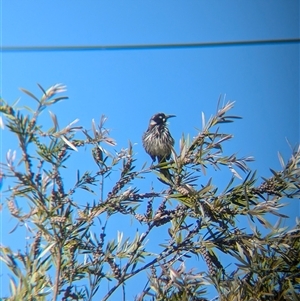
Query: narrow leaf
point(69, 143)
point(203, 120)
point(46, 250)
point(30, 94)
point(42, 89)
point(54, 120)
point(281, 160)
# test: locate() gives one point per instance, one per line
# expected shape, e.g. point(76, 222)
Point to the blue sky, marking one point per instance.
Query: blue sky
point(129, 86)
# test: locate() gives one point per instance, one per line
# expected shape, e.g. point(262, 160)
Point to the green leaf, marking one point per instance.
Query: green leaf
point(69, 143)
point(264, 222)
point(47, 249)
point(30, 94)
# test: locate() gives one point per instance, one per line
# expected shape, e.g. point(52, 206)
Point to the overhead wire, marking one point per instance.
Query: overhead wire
point(49, 48)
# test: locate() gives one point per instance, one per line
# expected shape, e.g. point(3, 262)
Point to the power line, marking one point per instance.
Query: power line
point(146, 46)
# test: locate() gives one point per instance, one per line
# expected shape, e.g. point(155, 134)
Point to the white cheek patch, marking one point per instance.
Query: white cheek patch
point(152, 122)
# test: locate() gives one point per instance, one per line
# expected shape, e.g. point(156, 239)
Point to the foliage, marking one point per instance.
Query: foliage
point(65, 259)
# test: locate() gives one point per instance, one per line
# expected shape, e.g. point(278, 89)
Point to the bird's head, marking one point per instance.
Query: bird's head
point(159, 119)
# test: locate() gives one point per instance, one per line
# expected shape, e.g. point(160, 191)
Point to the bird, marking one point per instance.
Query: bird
point(157, 140)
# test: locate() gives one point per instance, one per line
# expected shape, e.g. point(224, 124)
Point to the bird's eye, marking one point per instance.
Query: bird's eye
point(162, 118)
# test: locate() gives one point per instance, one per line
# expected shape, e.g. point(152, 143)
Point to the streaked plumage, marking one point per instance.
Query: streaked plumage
point(157, 140)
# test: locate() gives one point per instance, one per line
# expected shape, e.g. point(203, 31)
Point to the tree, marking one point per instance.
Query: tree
point(66, 258)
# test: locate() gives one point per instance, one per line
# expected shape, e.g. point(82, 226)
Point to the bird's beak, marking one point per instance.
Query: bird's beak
point(169, 116)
